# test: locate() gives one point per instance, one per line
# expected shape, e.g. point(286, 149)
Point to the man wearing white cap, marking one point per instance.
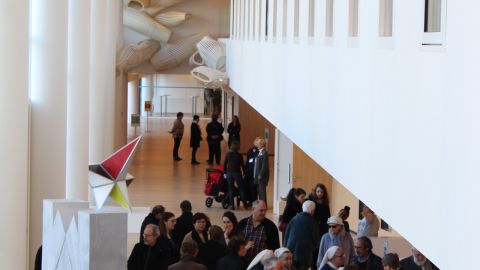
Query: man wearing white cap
point(336, 236)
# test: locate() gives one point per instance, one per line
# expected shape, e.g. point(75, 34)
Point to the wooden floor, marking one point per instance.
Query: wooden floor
point(160, 180)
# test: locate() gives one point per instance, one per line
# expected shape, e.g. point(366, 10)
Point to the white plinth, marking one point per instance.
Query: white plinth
point(103, 239)
point(59, 232)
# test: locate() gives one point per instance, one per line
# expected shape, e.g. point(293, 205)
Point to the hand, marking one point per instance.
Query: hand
point(249, 245)
point(260, 177)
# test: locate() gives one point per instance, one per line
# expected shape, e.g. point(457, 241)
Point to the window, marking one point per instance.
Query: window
point(353, 18)
point(385, 18)
point(329, 18)
point(434, 22)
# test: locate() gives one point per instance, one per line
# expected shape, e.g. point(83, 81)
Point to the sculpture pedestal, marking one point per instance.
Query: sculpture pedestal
point(75, 237)
point(103, 239)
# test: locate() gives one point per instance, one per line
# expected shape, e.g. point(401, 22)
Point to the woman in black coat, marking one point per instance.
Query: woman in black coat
point(170, 249)
point(233, 130)
point(295, 199)
point(235, 258)
point(195, 138)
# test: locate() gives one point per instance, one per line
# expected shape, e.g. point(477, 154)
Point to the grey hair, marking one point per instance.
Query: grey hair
point(308, 206)
point(256, 203)
point(156, 229)
point(270, 262)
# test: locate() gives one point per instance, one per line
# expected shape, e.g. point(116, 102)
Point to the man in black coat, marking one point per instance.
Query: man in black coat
point(302, 236)
point(214, 138)
point(195, 138)
point(259, 229)
point(417, 261)
point(147, 255)
point(153, 218)
point(365, 258)
point(184, 223)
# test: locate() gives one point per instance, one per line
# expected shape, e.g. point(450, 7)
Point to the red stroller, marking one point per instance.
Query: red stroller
point(216, 187)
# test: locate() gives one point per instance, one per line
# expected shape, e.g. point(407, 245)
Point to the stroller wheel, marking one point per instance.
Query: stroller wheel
point(224, 203)
point(220, 198)
point(208, 202)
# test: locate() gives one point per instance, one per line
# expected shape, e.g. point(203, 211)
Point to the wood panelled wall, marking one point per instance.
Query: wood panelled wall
point(253, 125)
point(306, 173)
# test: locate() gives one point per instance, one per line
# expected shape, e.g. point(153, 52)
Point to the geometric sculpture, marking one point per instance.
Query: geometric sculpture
point(109, 178)
point(134, 55)
point(196, 60)
point(138, 4)
point(212, 52)
point(158, 5)
point(209, 77)
point(144, 24)
point(173, 18)
point(174, 53)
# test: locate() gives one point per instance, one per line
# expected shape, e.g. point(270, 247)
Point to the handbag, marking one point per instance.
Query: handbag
point(282, 226)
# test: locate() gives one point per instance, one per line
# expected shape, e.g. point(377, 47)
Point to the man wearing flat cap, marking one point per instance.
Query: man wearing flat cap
point(336, 236)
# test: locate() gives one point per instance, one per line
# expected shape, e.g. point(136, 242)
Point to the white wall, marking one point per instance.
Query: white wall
point(14, 141)
point(396, 124)
point(180, 89)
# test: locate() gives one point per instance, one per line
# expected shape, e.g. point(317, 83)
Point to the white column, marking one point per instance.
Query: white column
point(270, 18)
point(280, 18)
point(110, 49)
point(77, 104)
point(48, 82)
point(97, 81)
point(303, 21)
point(290, 21)
point(147, 91)
point(121, 82)
point(14, 37)
point(133, 96)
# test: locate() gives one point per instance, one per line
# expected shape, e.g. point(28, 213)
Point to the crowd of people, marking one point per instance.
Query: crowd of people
point(312, 238)
point(193, 241)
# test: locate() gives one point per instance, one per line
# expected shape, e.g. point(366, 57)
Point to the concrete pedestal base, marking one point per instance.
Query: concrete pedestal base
point(75, 237)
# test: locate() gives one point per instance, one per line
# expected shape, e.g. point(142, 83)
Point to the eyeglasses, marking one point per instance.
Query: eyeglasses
point(333, 226)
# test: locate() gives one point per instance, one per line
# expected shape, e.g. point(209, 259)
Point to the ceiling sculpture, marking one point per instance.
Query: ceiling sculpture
point(164, 49)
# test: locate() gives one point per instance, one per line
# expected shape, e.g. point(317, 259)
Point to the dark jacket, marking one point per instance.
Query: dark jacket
point(409, 264)
point(187, 262)
point(270, 228)
point(214, 132)
point(261, 167)
point(144, 257)
point(291, 210)
point(373, 263)
point(250, 163)
point(183, 226)
point(195, 135)
point(233, 162)
point(301, 237)
point(232, 262)
point(171, 252)
point(149, 219)
point(210, 253)
point(233, 132)
point(321, 215)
